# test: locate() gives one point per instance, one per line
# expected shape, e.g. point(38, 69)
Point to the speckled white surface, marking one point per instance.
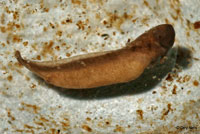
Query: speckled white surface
point(58, 29)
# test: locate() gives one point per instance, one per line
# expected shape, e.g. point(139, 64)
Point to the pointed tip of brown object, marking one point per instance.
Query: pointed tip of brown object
point(17, 54)
point(19, 58)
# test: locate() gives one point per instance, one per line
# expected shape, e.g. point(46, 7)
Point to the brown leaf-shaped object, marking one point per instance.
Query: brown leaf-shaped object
point(105, 68)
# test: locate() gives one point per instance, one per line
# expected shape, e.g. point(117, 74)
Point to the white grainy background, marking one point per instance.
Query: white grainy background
point(52, 30)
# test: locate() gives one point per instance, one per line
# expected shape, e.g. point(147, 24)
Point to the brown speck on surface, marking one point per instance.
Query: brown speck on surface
point(105, 35)
point(87, 128)
point(88, 119)
point(166, 21)
point(27, 78)
point(76, 2)
point(28, 126)
point(10, 78)
point(38, 57)
point(25, 43)
point(47, 48)
point(81, 25)
point(116, 20)
point(63, 44)
point(3, 44)
point(68, 54)
point(107, 123)
point(65, 124)
point(119, 129)
point(174, 89)
point(57, 48)
point(45, 29)
point(68, 20)
point(188, 33)
point(59, 33)
point(16, 15)
point(140, 114)
point(105, 22)
point(29, 107)
point(169, 77)
point(33, 85)
point(52, 25)
point(10, 115)
point(146, 3)
point(197, 59)
point(46, 9)
point(197, 25)
point(154, 92)
point(134, 20)
point(195, 83)
point(16, 39)
point(166, 112)
point(44, 119)
point(189, 91)
point(2, 18)
point(3, 29)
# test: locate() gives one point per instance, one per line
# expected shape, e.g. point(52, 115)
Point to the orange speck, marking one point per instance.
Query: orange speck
point(134, 20)
point(88, 119)
point(68, 20)
point(3, 44)
point(57, 48)
point(38, 57)
point(31, 107)
point(167, 21)
point(87, 128)
point(43, 119)
point(166, 112)
point(197, 25)
point(28, 126)
point(27, 78)
point(63, 44)
point(140, 113)
point(25, 43)
point(196, 83)
point(9, 114)
point(2, 18)
point(119, 129)
point(46, 9)
point(174, 89)
point(44, 29)
point(68, 54)
point(33, 85)
point(3, 29)
point(9, 78)
point(17, 26)
point(80, 25)
point(146, 3)
point(77, 2)
point(59, 33)
point(16, 15)
point(169, 77)
point(16, 39)
point(105, 22)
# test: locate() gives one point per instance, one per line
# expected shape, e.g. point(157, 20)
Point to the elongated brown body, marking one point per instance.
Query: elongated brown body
point(105, 68)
